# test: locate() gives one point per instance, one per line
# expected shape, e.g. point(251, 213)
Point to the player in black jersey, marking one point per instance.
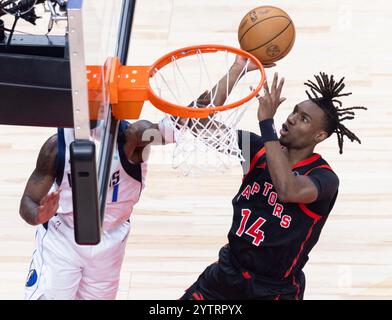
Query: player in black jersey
point(286, 195)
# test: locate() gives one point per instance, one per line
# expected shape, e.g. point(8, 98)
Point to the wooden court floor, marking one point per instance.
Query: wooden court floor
point(181, 222)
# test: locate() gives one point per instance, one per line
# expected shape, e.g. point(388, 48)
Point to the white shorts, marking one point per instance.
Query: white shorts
point(62, 269)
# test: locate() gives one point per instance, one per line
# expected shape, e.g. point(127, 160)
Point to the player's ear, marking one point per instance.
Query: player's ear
point(320, 136)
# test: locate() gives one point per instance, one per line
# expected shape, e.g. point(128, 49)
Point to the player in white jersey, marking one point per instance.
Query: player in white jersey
point(60, 268)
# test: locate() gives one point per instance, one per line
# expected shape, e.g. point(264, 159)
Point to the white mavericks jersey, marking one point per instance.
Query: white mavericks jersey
point(125, 186)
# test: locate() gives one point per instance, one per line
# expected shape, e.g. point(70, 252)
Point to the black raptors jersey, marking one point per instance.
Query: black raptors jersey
point(269, 237)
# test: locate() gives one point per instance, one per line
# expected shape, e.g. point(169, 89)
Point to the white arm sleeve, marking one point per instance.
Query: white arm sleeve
point(167, 130)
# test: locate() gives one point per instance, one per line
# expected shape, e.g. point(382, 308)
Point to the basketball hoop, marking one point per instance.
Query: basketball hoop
point(205, 132)
point(204, 124)
point(196, 59)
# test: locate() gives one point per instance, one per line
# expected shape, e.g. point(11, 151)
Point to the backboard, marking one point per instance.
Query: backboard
point(97, 30)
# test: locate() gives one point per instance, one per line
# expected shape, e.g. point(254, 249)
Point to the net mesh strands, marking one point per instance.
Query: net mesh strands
point(205, 143)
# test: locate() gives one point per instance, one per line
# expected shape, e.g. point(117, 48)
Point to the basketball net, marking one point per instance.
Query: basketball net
point(209, 143)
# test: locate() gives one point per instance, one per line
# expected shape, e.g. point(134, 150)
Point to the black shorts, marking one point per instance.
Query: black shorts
point(225, 280)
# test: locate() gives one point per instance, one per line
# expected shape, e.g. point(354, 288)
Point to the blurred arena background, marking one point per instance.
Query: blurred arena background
point(180, 223)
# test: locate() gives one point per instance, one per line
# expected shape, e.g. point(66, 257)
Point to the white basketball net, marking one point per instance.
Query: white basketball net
point(209, 143)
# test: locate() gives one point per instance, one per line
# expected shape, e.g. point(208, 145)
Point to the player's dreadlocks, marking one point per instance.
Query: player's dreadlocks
point(329, 90)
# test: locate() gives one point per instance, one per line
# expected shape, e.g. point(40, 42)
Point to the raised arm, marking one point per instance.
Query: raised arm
point(290, 188)
point(36, 205)
point(219, 93)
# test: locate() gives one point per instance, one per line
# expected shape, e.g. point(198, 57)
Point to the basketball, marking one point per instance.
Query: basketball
point(267, 32)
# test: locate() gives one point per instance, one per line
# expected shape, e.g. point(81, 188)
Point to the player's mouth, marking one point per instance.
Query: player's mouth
point(285, 130)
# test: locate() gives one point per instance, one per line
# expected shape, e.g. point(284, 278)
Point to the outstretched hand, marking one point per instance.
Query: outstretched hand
point(240, 62)
point(48, 206)
point(269, 103)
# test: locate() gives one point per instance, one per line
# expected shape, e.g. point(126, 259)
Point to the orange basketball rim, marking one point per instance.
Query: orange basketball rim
point(128, 87)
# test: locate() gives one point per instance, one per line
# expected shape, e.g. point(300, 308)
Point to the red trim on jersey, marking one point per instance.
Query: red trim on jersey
point(256, 157)
point(306, 161)
point(262, 166)
point(309, 212)
point(300, 250)
point(298, 289)
point(301, 163)
point(302, 206)
point(198, 296)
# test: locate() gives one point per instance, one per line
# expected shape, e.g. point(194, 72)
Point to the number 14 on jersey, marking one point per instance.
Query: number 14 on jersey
point(254, 230)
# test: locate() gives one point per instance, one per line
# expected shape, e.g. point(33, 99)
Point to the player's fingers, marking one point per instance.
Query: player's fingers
point(258, 95)
point(44, 199)
point(52, 197)
point(280, 87)
point(54, 208)
point(56, 194)
point(56, 202)
point(266, 99)
point(42, 211)
point(53, 201)
point(274, 83)
point(56, 197)
point(282, 100)
point(266, 89)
